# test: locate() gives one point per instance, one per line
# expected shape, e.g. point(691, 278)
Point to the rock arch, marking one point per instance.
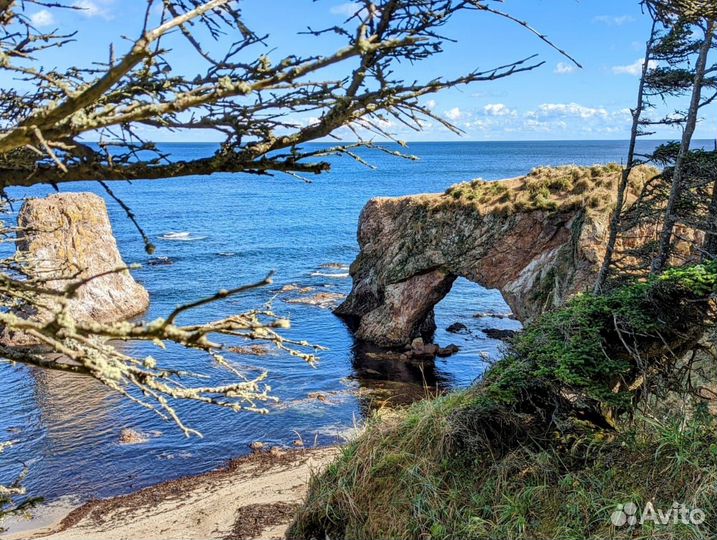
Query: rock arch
point(538, 239)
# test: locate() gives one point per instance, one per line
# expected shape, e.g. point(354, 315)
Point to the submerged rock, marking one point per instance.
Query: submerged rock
point(160, 261)
point(450, 350)
point(293, 287)
point(493, 314)
point(131, 436)
point(323, 300)
point(497, 333)
point(257, 446)
point(67, 238)
point(457, 328)
point(253, 350)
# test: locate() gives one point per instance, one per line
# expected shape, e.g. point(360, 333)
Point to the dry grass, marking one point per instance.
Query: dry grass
point(419, 477)
point(551, 189)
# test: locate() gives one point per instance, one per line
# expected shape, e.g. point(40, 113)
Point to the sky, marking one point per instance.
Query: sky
point(557, 101)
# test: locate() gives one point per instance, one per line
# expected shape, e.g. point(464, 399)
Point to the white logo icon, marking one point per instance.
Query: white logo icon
point(628, 514)
point(624, 514)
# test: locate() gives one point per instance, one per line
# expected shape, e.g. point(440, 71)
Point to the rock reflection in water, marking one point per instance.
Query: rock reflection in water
point(386, 381)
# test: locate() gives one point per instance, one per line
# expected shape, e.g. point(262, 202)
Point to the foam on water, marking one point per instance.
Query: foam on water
point(181, 236)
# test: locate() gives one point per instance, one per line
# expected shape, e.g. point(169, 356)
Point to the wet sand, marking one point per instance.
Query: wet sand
point(252, 497)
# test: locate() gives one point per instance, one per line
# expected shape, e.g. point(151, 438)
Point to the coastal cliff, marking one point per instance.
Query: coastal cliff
point(538, 239)
point(67, 238)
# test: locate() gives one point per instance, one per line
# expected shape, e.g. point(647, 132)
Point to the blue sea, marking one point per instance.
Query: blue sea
point(240, 226)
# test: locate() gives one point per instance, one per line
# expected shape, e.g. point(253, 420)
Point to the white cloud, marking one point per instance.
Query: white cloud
point(94, 8)
point(634, 69)
point(481, 125)
point(42, 18)
point(568, 109)
point(563, 69)
point(347, 9)
point(454, 114)
point(544, 127)
point(613, 20)
point(498, 109)
point(431, 104)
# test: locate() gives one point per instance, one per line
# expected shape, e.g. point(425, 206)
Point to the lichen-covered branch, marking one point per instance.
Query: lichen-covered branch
point(62, 342)
point(254, 105)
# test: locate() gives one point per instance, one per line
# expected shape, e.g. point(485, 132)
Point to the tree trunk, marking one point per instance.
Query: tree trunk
point(710, 244)
point(676, 189)
point(624, 180)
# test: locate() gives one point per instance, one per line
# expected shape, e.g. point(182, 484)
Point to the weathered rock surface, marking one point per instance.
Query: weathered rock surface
point(538, 239)
point(498, 333)
point(67, 238)
point(457, 328)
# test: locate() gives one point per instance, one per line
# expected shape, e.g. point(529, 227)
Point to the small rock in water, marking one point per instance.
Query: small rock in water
point(277, 451)
point(448, 350)
point(160, 261)
point(423, 351)
point(256, 446)
point(457, 328)
point(131, 436)
point(298, 443)
point(496, 333)
point(293, 287)
point(322, 300)
point(317, 396)
point(255, 350)
point(484, 355)
point(495, 315)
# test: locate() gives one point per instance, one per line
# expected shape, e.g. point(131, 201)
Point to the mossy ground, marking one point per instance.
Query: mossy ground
point(551, 188)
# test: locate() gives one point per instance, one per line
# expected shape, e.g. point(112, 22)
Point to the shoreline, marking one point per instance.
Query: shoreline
point(254, 496)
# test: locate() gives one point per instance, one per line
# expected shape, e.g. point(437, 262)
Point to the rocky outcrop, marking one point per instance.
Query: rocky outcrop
point(67, 238)
point(539, 239)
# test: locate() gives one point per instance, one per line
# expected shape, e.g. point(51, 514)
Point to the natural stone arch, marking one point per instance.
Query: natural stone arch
point(411, 254)
point(538, 239)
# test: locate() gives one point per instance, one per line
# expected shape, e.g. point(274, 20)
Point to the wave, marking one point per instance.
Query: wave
point(181, 236)
point(330, 275)
point(335, 266)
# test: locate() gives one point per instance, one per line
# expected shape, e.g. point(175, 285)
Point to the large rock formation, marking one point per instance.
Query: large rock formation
point(67, 238)
point(539, 239)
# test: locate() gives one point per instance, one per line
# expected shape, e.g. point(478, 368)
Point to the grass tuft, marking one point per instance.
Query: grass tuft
point(551, 189)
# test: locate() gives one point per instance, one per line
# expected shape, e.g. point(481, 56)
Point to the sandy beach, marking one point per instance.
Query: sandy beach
point(252, 497)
